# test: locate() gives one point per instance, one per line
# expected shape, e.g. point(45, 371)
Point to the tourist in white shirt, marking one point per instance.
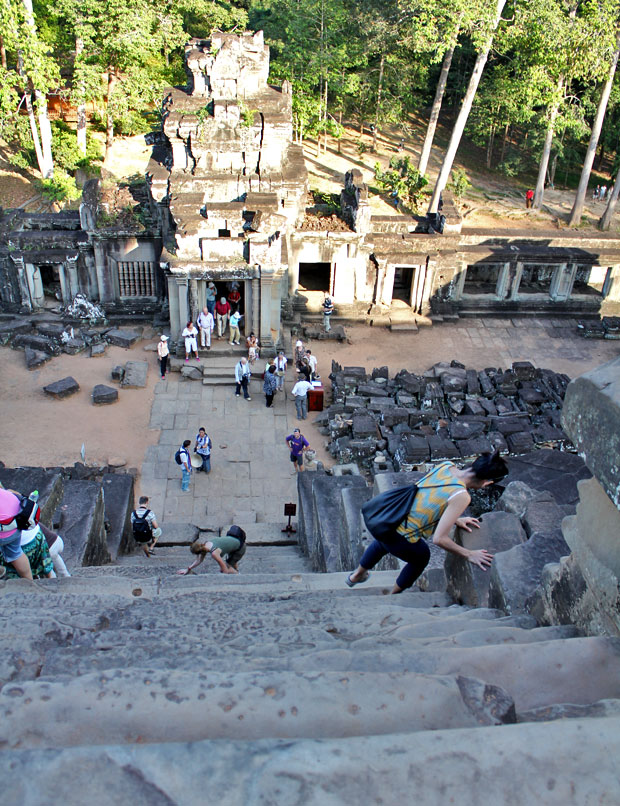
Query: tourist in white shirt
point(281, 363)
point(300, 393)
point(313, 363)
point(206, 324)
point(190, 335)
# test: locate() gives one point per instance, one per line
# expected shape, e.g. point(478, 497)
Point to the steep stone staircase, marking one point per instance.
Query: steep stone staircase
point(279, 686)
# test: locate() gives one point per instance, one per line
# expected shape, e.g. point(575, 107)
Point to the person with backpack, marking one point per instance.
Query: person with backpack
point(232, 545)
point(12, 522)
point(440, 500)
point(328, 309)
point(144, 525)
point(181, 457)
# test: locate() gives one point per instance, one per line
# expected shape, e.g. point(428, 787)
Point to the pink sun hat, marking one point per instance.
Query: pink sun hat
point(9, 508)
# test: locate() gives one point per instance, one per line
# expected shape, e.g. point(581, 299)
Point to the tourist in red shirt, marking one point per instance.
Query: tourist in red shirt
point(222, 311)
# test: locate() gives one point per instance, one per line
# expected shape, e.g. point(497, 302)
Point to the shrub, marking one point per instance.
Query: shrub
point(459, 183)
point(61, 188)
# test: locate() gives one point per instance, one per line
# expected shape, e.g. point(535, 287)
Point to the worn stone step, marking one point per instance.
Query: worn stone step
point(129, 706)
point(468, 766)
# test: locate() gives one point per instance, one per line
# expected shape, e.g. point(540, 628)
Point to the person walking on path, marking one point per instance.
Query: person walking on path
point(222, 309)
point(281, 363)
point(242, 377)
point(186, 465)
point(270, 385)
point(203, 449)
point(163, 351)
point(190, 334)
point(300, 393)
point(211, 298)
point(297, 443)
point(56, 546)
point(328, 309)
point(234, 298)
point(145, 528)
point(232, 545)
point(529, 198)
point(206, 324)
point(235, 335)
point(439, 503)
point(10, 535)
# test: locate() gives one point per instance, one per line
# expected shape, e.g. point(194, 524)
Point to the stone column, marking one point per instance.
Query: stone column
point(193, 300)
point(514, 291)
point(562, 281)
point(266, 282)
point(22, 278)
point(72, 273)
point(173, 306)
point(104, 287)
point(182, 286)
point(256, 301)
point(503, 287)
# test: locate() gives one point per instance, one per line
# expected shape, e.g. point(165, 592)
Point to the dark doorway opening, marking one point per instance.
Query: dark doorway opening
point(315, 276)
point(50, 279)
point(481, 279)
point(536, 279)
point(403, 275)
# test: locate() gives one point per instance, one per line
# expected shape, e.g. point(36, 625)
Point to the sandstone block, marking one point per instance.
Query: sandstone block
point(62, 388)
point(103, 394)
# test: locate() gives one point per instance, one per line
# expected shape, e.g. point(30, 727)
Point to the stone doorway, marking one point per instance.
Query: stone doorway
point(315, 276)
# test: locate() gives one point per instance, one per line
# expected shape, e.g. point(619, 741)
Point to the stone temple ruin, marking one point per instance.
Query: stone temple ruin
point(227, 200)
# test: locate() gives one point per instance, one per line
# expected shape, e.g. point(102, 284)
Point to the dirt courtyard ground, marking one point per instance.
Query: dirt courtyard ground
point(38, 430)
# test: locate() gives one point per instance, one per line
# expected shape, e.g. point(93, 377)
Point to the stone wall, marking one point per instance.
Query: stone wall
point(584, 589)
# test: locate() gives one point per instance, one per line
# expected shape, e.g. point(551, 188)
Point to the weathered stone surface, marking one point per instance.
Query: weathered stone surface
point(516, 497)
point(516, 573)
point(80, 517)
point(524, 370)
point(52, 330)
point(41, 343)
point(35, 358)
point(394, 415)
point(364, 425)
point(190, 372)
point(63, 388)
point(275, 770)
point(328, 523)
point(103, 394)
point(442, 448)
point(73, 346)
point(135, 374)
point(118, 496)
point(521, 442)
point(466, 430)
point(475, 446)
point(591, 417)
point(551, 470)
point(98, 350)
point(468, 584)
point(122, 338)
point(544, 514)
point(117, 373)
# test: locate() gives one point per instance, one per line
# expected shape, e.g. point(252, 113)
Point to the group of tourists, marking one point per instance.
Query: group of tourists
point(599, 193)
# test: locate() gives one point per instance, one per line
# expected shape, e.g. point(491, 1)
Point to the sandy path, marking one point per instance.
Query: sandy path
point(38, 430)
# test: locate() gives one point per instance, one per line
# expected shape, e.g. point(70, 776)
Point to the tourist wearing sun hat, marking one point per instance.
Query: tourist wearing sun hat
point(163, 351)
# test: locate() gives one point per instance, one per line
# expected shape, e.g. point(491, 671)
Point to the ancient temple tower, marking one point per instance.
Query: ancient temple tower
point(227, 183)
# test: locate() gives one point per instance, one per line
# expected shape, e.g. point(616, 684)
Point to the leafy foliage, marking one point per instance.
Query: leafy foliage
point(403, 180)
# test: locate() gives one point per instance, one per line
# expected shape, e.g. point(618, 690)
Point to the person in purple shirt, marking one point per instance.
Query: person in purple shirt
point(297, 443)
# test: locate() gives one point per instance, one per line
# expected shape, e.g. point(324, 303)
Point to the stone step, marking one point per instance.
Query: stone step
point(126, 706)
point(469, 766)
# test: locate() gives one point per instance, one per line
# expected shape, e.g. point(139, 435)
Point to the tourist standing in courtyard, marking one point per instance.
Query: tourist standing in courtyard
point(186, 465)
point(203, 449)
point(163, 351)
point(280, 363)
point(144, 525)
point(300, 393)
point(190, 334)
point(297, 444)
point(242, 377)
point(232, 545)
point(441, 499)
point(313, 363)
point(222, 310)
point(270, 385)
point(328, 309)
point(206, 324)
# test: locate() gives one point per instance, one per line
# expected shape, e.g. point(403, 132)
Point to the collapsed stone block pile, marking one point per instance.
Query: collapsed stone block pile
point(606, 328)
point(449, 412)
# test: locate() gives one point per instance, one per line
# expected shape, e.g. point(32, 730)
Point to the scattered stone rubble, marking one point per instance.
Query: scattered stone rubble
point(606, 328)
point(449, 412)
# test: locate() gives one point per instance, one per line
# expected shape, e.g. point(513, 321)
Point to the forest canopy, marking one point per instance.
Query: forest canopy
point(532, 83)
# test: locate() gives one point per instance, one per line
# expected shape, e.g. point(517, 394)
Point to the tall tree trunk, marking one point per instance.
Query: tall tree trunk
point(31, 118)
point(490, 144)
point(459, 126)
point(577, 211)
point(435, 110)
point(605, 220)
point(81, 107)
point(3, 52)
point(46, 164)
point(552, 169)
point(109, 140)
point(504, 141)
point(544, 160)
point(377, 111)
